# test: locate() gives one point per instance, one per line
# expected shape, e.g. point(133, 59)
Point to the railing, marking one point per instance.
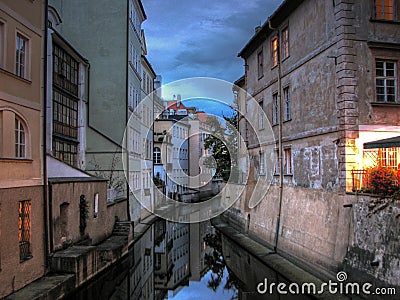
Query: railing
point(359, 179)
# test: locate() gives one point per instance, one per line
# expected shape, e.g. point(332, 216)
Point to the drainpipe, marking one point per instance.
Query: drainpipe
point(44, 154)
point(280, 146)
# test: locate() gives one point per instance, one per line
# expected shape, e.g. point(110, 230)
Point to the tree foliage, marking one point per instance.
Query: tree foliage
point(223, 143)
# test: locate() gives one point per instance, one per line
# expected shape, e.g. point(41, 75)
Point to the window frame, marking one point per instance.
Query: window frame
point(384, 15)
point(274, 51)
point(287, 104)
point(261, 123)
point(260, 63)
point(285, 43)
point(262, 170)
point(287, 161)
point(386, 78)
point(275, 109)
point(25, 233)
point(157, 155)
point(26, 55)
point(3, 42)
point(20, 133)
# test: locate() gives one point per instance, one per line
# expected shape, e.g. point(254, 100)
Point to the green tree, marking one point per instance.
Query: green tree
point(223, 143)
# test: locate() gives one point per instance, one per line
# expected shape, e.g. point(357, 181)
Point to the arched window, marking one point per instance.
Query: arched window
point(157, 155)
point(20, 139)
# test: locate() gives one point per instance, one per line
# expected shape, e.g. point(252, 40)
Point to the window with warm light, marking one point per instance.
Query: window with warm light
point(24, 230)
point(274, 51)
point(384, 10)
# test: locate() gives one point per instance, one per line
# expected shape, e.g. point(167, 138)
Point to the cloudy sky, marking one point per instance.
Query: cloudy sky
point(201, 38)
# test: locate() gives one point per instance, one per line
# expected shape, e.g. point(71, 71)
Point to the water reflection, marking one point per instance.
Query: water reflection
point(182, 261)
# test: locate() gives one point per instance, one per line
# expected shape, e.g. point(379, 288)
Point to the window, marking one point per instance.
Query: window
point(157, 155)
point(65, 70)
point(96, 205)
point(387, 157)
point(386, 81)
point(277, 164)
point(261, 115)
point(285, 43)
point(275, 109)
point(21, 56)
point(287, 161)
point(65, 106)
point(274, 51)
point(19, 139)
point(260, 58)
point(66, 151)
point(286, 98)
point(262, 163)
point(24, 230)
point(2, 44)
point(384, 10)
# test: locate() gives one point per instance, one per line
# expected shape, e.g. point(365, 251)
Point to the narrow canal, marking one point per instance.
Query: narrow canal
point(182, 261)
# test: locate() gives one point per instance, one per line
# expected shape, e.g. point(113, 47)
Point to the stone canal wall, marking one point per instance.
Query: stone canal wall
point(330, 231)
point(374, 255)
point(314, 225)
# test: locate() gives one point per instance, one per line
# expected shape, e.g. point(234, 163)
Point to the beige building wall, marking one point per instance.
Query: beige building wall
point(21, 167)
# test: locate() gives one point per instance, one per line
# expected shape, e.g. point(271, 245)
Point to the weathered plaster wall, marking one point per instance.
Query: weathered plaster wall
point(65, 199)
point(374, 255)
point(15, 274)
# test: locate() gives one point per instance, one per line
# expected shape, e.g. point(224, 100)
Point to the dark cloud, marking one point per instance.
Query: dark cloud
point(201, 38)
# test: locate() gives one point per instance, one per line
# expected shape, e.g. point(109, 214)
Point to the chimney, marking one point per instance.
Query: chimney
point(178, 102)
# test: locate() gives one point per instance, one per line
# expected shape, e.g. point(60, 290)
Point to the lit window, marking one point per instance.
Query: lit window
point(275, 109)
point(20, 141)
point(260, 64)
point(274, 51)
point(386, 81)
point(387, 157)
point(24, 230)
point(157, 155)
point(384, 10)
point(286, 98)
point(21, 56)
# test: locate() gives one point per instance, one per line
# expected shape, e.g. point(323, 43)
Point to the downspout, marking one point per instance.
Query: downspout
point(280, 146)
point(44, 154)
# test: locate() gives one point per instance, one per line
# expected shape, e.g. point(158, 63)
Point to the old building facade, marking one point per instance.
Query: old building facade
point(324, 77)
point(21, 177)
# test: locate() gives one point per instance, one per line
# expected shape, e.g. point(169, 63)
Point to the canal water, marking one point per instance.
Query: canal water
point(183, 261)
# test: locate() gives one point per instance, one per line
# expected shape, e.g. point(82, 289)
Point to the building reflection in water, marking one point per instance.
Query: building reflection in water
point(178, 260)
